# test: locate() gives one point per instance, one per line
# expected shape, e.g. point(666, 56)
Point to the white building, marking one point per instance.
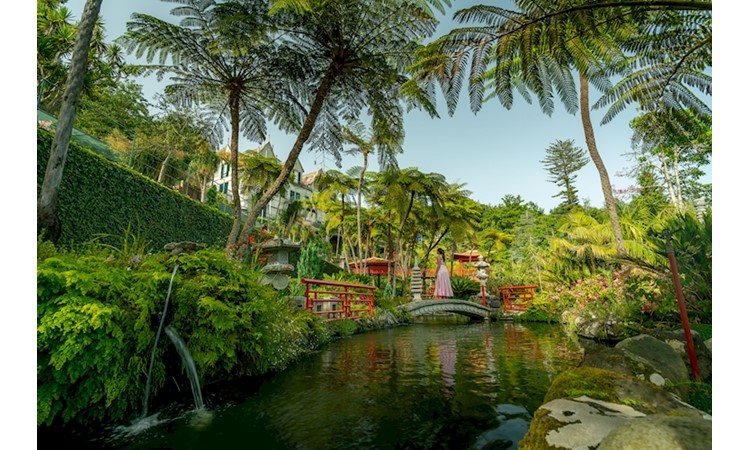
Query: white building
point(301, 186)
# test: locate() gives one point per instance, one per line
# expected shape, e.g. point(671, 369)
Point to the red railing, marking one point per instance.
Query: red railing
point(334, 300)
point(516, 298)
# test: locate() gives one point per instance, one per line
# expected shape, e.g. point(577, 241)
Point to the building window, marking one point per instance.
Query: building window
point(293, 196)
point(224, 188)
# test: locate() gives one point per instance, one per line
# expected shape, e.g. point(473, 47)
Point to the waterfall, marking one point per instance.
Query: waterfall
point(187, 361)
point(156, 342)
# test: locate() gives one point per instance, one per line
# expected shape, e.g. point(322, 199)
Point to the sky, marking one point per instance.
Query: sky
point(493, 153)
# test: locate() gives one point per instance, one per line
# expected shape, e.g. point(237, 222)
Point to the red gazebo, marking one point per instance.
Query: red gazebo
point(373, 266)
point(469, 257)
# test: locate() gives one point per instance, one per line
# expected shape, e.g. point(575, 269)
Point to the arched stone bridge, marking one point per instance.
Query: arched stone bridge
point(462, 307)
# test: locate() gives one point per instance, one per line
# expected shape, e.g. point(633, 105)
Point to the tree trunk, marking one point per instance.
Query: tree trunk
point(304, 134)
point(609, 198)
point(234, 114)
point(46, 208)
point(668, 179)
point(359, 208)
point(163, 170)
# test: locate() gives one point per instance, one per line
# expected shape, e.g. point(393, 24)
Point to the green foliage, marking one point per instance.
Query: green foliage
point(464, 288)
point(540, 311)
point(100, 200)
point(93, 330)
point(343, 328)
point(700, 396)
point(44, 248)
point(310, 260)
point(98, 317)
point(703, 329)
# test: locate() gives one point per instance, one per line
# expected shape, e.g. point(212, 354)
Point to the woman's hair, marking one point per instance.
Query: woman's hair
point(441, 252)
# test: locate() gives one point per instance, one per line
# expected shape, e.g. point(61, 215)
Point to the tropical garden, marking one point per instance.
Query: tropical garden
point(339, 75)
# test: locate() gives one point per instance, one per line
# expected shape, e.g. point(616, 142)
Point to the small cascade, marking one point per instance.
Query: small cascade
point(187, 361)
point(156, 342)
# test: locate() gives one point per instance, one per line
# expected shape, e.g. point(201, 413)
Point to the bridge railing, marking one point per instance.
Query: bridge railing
point(516, 298)
point(335, 300)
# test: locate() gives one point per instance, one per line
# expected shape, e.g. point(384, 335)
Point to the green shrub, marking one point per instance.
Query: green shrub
point(98, 316)
point(344, 327)
point(464, 288)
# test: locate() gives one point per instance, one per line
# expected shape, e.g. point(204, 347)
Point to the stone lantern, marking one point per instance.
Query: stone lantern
point(482, 267)
point(277, 268)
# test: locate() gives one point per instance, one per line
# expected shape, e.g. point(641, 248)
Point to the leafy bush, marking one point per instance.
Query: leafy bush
point(98, 316)
point(464, 288)
point(309, 264)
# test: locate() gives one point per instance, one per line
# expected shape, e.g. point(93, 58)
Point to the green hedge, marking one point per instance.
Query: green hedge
point(102, 200)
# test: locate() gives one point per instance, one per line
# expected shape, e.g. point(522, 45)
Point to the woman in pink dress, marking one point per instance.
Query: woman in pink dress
point(442, 278)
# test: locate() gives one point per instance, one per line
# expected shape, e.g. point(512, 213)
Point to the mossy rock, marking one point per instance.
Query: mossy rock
point(592, 382)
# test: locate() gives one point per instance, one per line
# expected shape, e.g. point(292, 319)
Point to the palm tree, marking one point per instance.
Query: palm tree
point(204, 164)
point(358, 52)
point(537, 48)
point(257, 172)
point(414, 186)
point(336, 185)
point(47, 218)
point(457, 218)
point(365, 143)
point(221, 59)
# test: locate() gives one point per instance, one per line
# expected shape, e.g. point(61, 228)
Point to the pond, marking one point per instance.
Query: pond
point(436, 384)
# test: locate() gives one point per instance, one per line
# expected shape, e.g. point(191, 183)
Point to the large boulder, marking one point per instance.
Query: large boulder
point(585, 405)
point(659, 432)
point(656, 361)
point(601, 328)
point(624, 397)
point(677, 340)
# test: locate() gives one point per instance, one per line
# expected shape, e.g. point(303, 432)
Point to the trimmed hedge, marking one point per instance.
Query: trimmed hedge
point(104, 201)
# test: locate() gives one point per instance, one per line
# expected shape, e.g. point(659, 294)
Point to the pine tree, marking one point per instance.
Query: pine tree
point(562, 162)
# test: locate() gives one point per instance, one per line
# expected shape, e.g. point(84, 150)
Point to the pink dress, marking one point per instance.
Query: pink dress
point(442, 280)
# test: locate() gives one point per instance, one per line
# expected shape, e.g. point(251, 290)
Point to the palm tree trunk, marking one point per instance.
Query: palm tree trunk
point(46, 208)
point(234, 113)
point(304, 134)
point(609, 198)
point(360, 182)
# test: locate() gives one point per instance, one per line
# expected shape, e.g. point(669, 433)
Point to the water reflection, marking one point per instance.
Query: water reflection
point(431, 385)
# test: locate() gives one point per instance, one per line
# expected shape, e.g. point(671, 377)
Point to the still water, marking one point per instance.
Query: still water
point(436, 384)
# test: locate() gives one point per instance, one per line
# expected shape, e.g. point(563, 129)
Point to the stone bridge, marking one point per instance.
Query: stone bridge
point(465, 308)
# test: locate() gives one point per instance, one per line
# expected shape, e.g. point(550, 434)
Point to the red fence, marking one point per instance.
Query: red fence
point(335, 300)
point(516, 298)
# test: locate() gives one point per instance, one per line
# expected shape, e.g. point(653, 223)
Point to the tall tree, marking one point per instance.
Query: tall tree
point(221, 59)
point(563, 159)
point(335, 186)
point(47, 218)
point(365, 142)
point(678, 143)
point(358, 51)
point(537, 48)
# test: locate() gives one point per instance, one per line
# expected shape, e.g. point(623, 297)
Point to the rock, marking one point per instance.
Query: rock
point(600, 328)
point(676, 339)
point(175, 248)
point(586, 421)
point(645, 355)
point(660, 432)
point(609, 401)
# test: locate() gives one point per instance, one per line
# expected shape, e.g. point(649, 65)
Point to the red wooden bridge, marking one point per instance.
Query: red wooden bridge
point(516, 298)
point(333, 300)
